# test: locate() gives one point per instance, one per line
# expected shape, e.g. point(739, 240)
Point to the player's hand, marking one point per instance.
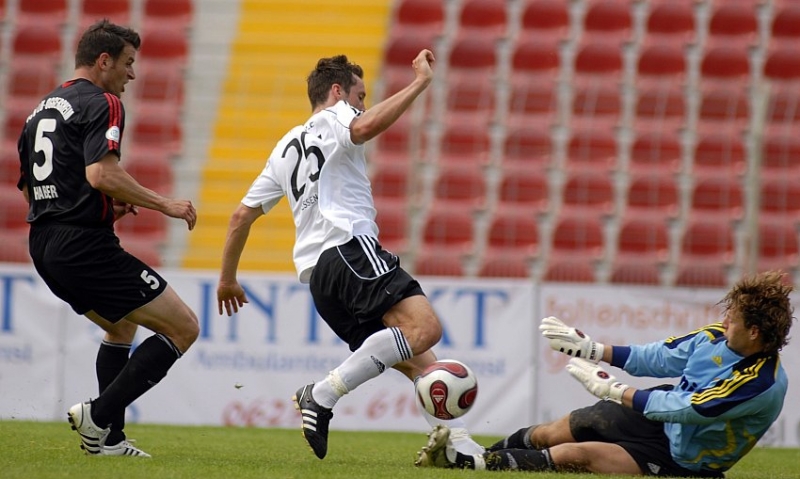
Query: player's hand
point(570, 341)
point(596, 380)
point(230, 296)
point(182, 209)
point(423, 65)
point(121, 209)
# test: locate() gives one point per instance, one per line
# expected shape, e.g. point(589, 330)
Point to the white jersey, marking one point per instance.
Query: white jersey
point(324, 175)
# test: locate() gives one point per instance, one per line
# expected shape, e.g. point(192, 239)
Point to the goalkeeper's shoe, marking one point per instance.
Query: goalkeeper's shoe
point(435, 452)
point(124, 448)
point(93, 438)
point(315, 420)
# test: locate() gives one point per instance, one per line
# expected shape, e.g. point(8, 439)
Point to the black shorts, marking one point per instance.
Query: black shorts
point(642, 438)
point(353, 285)
point(88, 269)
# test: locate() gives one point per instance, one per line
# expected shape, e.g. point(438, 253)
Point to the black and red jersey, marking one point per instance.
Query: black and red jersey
point(75, 125)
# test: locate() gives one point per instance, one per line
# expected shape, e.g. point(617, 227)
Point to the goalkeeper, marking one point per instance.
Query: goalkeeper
point(731, 389)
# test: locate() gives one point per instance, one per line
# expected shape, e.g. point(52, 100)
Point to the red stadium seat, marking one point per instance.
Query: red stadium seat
point(448, 228)
point(14, 122)
point(174, 14)
point(527, 146)
point(13, 209)
point(724, 59)
point(37, 12)
point(514, 231)
point(159, 132)
point(145, 249)
point(590, 193)
point(29, 81)
point(148, 225)
point(653, 195)
point(465, 144)
point(780, 197)
point(578, 235)
point(608, 18)
point(41, 43)
point(419, 18)
point(661, 69)
point(483, 19)
point(393, 226)
point(534, 87)
point(502, 264)
point(165, 45)
point(524, 189)
point(729, 19)
point(786, 23)
point(643, 249)
point(777, 245)
point(719, 153)
point(672, 20)
point(656, 151)
point(9, 167)
point(15, 246)
point(473, 64)
point(726, 104)
point(561, 269)
point(594, 150)
point(707, 250)
point(438, 262)
point(154, 83)
point(118, 11)
point(718, 197)
point(780, 151)
point(545, 17)
point(460, 187)
point(152, 170)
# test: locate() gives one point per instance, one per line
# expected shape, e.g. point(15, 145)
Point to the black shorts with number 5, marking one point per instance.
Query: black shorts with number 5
point(355, 284)
point(87, 268)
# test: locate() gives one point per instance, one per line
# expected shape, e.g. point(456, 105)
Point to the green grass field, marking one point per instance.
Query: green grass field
point(50, 450)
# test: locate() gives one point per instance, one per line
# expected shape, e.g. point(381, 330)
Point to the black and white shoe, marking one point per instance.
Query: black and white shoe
point(315, 420)
point(93, 438)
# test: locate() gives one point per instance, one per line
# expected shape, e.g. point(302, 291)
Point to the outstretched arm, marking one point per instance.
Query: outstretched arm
point(230, 294)
point(381, 116)
point(107, 176)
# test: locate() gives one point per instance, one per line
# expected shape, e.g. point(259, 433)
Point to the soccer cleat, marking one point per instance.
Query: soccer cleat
point(315, 420)
point(434, 453)
point(124, 448)
point(93, 438)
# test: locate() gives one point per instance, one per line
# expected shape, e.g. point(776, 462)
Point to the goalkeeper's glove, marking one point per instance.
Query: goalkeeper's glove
point(570, 341)
point(596, 380)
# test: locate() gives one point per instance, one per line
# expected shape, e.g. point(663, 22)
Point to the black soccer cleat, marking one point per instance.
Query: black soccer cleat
point(315, 420)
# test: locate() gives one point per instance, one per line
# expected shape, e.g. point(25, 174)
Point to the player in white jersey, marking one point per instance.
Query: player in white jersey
point(358, 288)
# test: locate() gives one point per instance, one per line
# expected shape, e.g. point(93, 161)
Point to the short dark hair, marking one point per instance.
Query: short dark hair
point(328, 72)
point(104, 37)
point(763, 302)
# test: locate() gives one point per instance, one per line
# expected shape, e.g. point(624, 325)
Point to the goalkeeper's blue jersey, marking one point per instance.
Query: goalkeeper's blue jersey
point(723, 403)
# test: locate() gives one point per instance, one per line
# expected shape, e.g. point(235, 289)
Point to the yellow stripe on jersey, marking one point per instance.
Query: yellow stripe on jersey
point(713, 331)
point(728, 386)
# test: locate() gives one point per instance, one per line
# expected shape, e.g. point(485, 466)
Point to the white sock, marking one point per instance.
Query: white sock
point(378, 353)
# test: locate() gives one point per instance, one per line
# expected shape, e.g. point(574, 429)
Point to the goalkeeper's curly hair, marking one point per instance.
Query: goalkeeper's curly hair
point(763, 302)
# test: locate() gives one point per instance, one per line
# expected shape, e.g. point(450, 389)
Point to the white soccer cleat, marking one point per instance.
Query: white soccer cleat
point(463, 442)
point(93, 438)
point(124, 448)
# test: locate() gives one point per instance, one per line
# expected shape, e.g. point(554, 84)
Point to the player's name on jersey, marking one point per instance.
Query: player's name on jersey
point(57, 103)
point(45, 192)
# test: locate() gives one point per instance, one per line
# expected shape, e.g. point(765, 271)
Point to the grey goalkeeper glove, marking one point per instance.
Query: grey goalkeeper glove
point(570, 341)
point(596, 380)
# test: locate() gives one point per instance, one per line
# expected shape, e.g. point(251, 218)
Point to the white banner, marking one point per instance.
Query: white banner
point(242, 371)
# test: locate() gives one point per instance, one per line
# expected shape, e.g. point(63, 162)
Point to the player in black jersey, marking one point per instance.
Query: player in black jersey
point(70, 151)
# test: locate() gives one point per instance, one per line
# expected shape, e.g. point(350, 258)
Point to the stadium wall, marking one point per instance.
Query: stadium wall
point(243, 370)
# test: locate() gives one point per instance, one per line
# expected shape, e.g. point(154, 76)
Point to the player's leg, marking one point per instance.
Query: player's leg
point(112, 356)
point(175, 327)
point(538, 436)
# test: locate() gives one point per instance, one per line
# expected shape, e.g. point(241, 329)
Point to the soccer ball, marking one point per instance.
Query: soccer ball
point(447, 389)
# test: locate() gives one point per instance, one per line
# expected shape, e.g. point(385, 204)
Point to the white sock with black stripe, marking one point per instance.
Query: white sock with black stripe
point(379, 352)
